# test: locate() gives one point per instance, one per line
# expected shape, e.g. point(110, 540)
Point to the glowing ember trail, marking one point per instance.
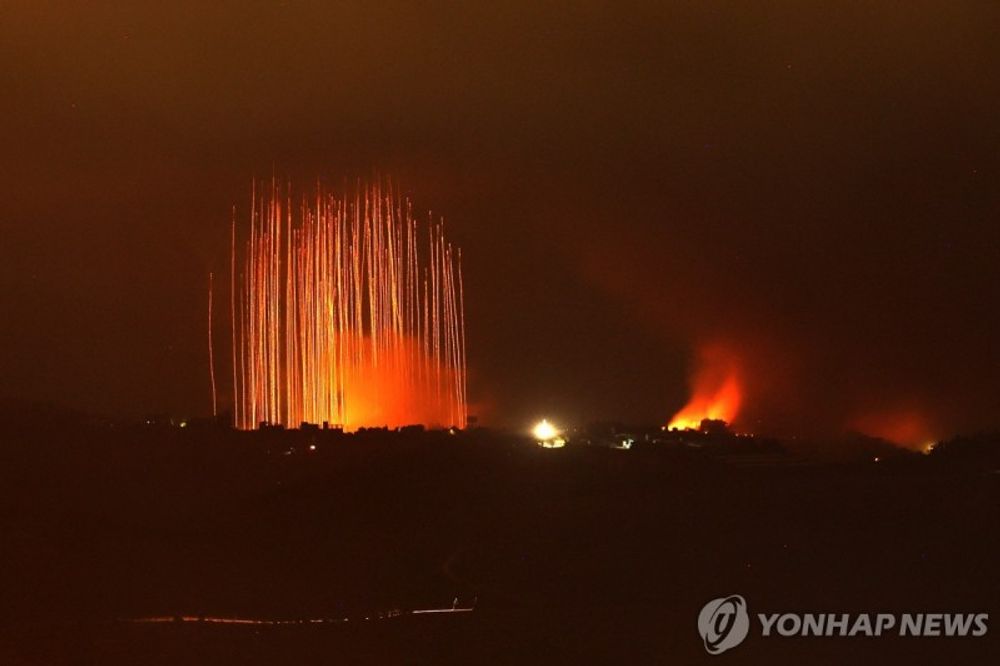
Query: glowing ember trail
point(716, 390)
point(211, 353)
point(346, 312)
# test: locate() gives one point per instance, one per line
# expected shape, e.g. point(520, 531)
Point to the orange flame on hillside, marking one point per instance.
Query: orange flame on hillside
point(716, 387)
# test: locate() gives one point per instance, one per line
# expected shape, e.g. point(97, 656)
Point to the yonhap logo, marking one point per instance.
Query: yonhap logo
point(723, 623)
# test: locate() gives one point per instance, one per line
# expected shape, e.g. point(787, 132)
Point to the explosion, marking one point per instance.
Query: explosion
point(345, 312)
point(544, 430)
point(716, 390)
point(547, 435)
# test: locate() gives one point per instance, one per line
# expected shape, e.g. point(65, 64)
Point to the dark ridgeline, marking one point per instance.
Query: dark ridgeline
point(591, 552)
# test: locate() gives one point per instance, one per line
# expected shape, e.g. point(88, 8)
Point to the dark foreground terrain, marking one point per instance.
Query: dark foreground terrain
point(577, 555)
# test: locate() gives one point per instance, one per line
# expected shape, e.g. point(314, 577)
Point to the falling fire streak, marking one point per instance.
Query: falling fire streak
point(339, 317)
point(211, 355)
point(717, 391)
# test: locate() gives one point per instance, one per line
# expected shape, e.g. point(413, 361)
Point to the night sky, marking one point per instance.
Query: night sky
point(812, 187)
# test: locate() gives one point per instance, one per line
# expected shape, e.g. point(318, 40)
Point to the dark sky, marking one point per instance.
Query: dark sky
point(812, 185)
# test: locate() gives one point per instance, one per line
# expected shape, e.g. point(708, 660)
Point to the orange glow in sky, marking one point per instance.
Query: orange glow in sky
point(906, 427)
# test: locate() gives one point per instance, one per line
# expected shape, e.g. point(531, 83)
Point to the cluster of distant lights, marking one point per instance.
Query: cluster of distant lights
point(549, 436)
point(698, 429)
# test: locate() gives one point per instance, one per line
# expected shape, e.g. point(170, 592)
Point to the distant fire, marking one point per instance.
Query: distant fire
point(906, 427)
point(346, 311)
point(716, 389)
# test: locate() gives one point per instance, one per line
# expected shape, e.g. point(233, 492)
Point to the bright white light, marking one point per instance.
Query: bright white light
point(544, 430)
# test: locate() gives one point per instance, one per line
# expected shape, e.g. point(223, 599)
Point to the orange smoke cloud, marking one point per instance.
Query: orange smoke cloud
point(716, 389)
point(906, 427)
